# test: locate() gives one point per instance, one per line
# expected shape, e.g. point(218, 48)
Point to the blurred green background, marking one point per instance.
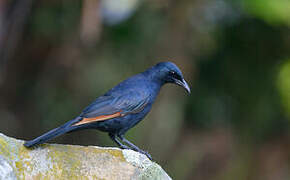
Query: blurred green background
point(57, 56)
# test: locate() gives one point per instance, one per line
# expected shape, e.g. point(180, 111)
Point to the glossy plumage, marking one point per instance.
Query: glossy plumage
point(122, 107)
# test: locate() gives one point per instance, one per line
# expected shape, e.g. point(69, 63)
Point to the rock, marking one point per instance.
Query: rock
point(73, 162)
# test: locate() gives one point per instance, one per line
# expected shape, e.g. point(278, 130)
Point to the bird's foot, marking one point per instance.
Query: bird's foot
point(124, 147)
point(146, 154)
point(140, 151)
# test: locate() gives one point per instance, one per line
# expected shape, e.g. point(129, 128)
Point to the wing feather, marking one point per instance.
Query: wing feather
point(108, 107)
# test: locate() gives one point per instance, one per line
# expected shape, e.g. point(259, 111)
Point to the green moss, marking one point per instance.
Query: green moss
point(3, 146)
point(19, 165)
point(117, 153)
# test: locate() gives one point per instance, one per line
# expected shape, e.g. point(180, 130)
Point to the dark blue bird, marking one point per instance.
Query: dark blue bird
point(122, 107)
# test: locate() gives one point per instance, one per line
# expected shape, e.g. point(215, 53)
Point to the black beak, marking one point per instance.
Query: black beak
point(183, 84)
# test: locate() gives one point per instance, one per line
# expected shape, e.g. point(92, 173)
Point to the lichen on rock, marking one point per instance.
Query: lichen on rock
point(73, 162)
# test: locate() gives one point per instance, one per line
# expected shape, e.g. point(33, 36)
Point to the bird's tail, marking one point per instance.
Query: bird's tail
point(52, 133)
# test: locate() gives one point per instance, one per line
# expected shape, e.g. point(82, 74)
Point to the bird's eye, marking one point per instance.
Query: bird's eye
point(171, 72)
point(174, 75)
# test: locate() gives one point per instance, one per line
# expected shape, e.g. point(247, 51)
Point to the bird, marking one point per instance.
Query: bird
point(122, 107)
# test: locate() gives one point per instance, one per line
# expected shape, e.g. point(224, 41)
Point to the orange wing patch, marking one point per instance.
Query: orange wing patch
point(98, 118)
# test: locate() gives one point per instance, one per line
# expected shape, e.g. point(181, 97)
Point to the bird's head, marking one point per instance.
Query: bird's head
point(168, 72)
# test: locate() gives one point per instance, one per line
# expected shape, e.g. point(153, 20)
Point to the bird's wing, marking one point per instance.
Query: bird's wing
point(108, 107)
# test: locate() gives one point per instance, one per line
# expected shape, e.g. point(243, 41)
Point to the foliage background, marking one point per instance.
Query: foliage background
point(57, 56)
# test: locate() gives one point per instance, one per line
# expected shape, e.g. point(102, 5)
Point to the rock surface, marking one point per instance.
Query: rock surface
point(73, 162)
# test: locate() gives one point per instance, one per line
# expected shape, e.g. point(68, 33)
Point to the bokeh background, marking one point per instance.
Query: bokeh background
point(57, 56)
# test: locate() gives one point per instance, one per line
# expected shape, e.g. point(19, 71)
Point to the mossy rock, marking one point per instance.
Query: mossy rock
point(73, 162)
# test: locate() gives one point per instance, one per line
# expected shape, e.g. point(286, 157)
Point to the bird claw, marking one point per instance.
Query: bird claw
point(146, 154)
point(124, 147)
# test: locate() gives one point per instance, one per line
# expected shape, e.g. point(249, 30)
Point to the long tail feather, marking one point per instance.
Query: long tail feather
point(52, 133)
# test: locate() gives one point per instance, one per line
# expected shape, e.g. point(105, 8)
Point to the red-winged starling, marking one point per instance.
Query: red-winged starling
point(122, 107)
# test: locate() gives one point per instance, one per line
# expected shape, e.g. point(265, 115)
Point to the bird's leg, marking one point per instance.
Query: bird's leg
point(134, 147)
point(114, 138)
